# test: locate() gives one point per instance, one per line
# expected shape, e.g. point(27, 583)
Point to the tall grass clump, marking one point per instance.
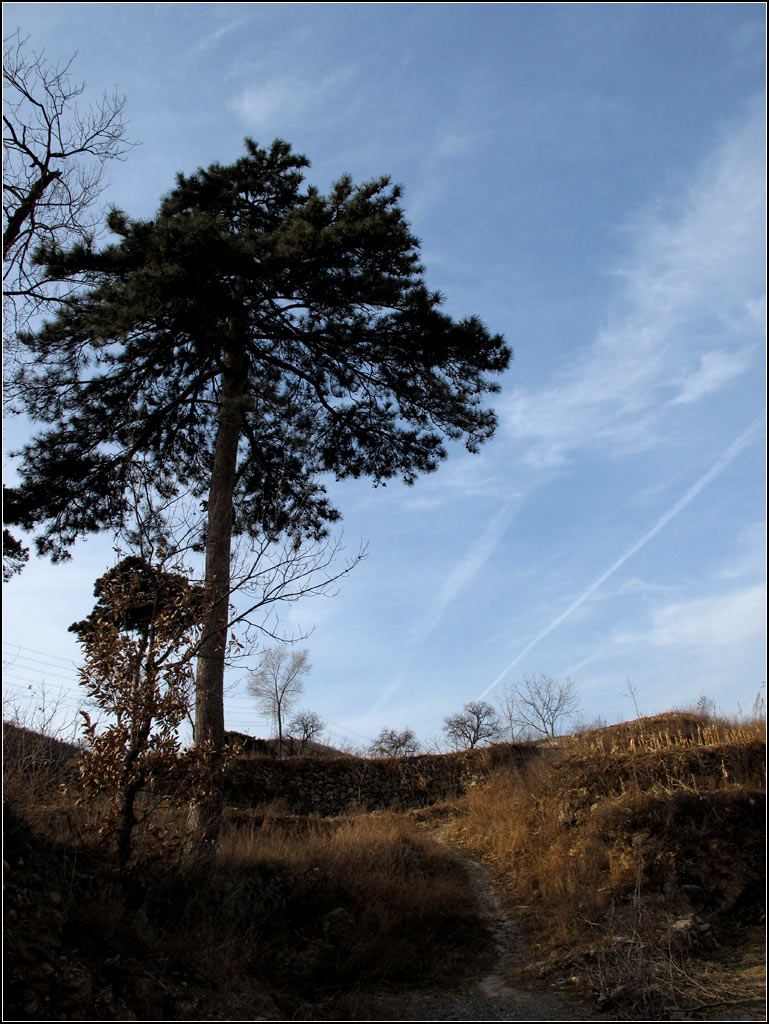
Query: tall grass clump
point(313, 907)
point(364, 898)
point(39, 747)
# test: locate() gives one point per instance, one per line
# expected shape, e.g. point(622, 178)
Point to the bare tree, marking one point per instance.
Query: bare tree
point(54, 156)
point(632, 692)
point(477, 723)
point(434, 744)
point(54, 152)
point(390, 743)
point(277, 684)
point(267, 573)
point(304, 727)
point(540, 704)
point(516, 730)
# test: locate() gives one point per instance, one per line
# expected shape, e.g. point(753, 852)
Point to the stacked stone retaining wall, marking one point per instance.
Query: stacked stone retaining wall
point(335, 785)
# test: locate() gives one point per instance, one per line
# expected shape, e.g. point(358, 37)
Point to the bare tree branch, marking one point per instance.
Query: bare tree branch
point(54, 152)
point(539, 704)
point(277, 684)
point(390, 743)
point(266, 572)
point(304, 727)
point(477, 723)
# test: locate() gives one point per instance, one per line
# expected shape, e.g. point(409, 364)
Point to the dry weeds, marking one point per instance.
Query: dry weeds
point(631, 854)
point(629, 850)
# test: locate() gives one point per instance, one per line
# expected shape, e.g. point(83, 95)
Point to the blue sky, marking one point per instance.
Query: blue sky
point(590, 181)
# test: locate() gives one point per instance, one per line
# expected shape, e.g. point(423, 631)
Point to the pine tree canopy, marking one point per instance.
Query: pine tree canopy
point(133, 592)
point(302, 317)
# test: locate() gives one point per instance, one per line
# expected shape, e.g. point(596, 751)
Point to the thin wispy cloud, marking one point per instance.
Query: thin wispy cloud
point(212, 38)
point(284, 98)
point(461, 478)
point(460, 577)
point(695, 282)
point(637, 586)
point(716, 369)
point(718, 467)
point(465, 570)
point(389, 690)
point(722, 620)
point(749, 561)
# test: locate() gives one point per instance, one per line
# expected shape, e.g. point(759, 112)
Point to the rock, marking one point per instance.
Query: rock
point(683, 924)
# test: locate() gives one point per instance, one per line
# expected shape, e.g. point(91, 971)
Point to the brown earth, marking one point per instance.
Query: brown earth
point(77, 949)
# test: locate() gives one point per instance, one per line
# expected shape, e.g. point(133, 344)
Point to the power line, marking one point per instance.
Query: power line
point(238, 708)
point(66, 686)
point(36, 661)
point(47, 654)
point(30, 688)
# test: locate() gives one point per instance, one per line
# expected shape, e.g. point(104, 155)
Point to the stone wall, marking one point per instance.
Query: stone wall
point(333, 786)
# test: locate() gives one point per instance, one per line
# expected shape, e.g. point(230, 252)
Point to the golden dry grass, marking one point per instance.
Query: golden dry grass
point(392, 903)
point(628, 848)
point(313, 908)
point(625, 849)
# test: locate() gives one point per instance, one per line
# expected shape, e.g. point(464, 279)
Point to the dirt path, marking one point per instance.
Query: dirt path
point(491, 997)
point(494, 995)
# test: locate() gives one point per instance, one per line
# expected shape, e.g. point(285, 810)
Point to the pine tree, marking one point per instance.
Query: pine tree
point(252, 336)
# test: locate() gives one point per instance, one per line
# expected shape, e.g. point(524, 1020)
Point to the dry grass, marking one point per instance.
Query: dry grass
point(303, 909)
point(628, 848)
point(369, 896)
point(630, 851)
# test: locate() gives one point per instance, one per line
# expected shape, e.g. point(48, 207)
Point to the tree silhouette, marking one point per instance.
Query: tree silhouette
point(390, 743)
point(151, 590)
point(477, 723)
point(540, 703)
point(139, 643)
point(277, 684)
point(54, 155)
point(304, 727)
point(252, 336)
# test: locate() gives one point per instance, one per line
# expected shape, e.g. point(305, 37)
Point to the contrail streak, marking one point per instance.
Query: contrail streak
point(731, 452)
point(458, 579)
point(462, 574)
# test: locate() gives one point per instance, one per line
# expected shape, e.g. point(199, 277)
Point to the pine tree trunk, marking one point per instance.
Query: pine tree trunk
point(206, 811)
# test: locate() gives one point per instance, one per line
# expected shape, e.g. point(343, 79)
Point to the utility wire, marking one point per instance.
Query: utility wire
point(47, 654)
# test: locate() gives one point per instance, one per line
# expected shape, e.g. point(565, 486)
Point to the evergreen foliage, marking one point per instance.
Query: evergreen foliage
point(152, 591)
point(344, 361)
